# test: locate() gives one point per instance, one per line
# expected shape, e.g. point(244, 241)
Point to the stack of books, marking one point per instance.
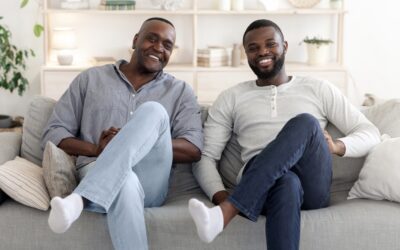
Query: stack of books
point(117, 5)
point(212, 57)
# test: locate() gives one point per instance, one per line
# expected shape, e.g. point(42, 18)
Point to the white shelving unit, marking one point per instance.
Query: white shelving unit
point(198, 24)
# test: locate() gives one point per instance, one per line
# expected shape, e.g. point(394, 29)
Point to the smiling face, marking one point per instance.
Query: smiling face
point(265, 50)
point(153, 46)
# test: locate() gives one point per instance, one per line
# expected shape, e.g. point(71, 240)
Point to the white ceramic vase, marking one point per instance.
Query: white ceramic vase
point(269, 5)
point(317, 54)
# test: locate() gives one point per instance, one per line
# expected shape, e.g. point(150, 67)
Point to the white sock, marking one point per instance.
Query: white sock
point(209, 221)
point(64, 212)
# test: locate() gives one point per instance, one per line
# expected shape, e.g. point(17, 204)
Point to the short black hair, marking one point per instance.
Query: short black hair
point(160, 19)
point(262, 23)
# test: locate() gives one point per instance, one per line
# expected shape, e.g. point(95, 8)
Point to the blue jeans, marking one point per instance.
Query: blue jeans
point(291, 173)
point(131, 173)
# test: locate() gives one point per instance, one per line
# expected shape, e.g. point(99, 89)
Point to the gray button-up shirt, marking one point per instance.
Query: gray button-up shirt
point(102, 97)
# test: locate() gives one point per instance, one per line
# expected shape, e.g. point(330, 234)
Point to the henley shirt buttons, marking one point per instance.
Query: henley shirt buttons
point(131, 113)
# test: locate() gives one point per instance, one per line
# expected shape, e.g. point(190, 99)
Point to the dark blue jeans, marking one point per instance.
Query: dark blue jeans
point(291, 173)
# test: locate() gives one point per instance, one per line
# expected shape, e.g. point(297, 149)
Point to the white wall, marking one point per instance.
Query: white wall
point(371, 46)
point(20, 22)
point(371, 51)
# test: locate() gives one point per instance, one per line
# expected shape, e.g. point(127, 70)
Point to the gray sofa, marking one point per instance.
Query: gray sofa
point(344, 225)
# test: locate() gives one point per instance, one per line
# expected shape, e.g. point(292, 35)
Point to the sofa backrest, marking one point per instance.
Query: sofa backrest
point(345, 170)
point(38, 114)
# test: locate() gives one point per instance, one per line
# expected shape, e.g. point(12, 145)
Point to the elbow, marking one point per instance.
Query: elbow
point(196, 156)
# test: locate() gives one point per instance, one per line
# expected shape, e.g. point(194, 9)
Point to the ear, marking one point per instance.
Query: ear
point(134, 41)
point(286, 46)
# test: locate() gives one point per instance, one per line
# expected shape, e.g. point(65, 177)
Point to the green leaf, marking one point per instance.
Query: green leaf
point(37, 30)
point(24, 3)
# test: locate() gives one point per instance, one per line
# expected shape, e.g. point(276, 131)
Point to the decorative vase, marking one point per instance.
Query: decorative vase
point(269, 5)
point(317, 54)
point(336, 4)
point(237, 5)
point(224, 5)
point(5, 121)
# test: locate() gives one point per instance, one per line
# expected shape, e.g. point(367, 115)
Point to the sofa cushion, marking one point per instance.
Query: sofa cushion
point(345, 169)
point(386, 116)
point(380, 176)
point(23, 181)
point(36, 119)
point(10, 144)
point(58, 171)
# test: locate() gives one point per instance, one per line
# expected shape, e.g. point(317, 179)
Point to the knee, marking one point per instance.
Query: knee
point(154, 108)
point(305, 121)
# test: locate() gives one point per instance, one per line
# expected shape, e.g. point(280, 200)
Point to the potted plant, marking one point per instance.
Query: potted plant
point(317, 50)
point(12, 67)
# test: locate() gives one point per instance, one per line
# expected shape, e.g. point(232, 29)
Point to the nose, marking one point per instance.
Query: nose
point(158, 46)
point(264, 50)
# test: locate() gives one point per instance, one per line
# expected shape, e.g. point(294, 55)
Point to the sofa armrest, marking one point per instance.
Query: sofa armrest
point(10, 145)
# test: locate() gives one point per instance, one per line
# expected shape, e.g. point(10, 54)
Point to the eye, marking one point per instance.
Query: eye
point(152, 38)
point(251, 49)
point(168, 46)
point(271, 44)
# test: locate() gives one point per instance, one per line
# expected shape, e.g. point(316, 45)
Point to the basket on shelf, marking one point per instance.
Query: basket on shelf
point(304, 3)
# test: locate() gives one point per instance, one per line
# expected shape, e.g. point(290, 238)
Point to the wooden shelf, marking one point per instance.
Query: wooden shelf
point(119, 12)
point(276, 12)
point(325, 11)
point(290, 66)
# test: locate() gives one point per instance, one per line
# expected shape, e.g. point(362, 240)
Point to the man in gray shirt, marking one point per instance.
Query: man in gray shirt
point(119, 120)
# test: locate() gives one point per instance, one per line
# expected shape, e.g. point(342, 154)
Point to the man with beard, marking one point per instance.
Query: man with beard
point(277, 120)
point(124, 170)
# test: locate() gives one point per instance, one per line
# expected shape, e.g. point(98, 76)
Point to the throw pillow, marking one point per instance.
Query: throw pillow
point(380, 176)
point(58, 171)
point(23, 181)
point(385, 116)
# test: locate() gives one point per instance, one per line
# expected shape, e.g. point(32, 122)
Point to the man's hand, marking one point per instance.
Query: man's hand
point(219, 197)
point(105, 138)
point(336, 147)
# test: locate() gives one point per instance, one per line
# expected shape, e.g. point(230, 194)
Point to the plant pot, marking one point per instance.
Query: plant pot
point(317, 54)
point(5, 121)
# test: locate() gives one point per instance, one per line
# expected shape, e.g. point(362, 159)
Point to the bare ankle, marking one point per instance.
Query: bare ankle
point(229, 211)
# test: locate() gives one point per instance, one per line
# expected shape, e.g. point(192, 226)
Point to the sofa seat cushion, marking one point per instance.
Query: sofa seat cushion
point(354, 224)
point(347, 225)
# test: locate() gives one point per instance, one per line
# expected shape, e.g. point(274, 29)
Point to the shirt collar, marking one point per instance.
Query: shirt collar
point(155, 80)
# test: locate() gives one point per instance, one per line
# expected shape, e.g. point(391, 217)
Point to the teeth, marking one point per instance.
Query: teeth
point(154, 57)
point(265, 61)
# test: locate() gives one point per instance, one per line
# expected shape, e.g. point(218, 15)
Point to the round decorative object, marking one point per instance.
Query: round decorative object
point(304, 3)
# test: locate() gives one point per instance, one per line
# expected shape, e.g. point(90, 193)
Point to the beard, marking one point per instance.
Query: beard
point(145, 69)
point(278, 64)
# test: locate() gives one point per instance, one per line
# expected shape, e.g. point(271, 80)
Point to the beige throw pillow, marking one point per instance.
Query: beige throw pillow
point(23, 181)
point(58, 171)
point(380, 176)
